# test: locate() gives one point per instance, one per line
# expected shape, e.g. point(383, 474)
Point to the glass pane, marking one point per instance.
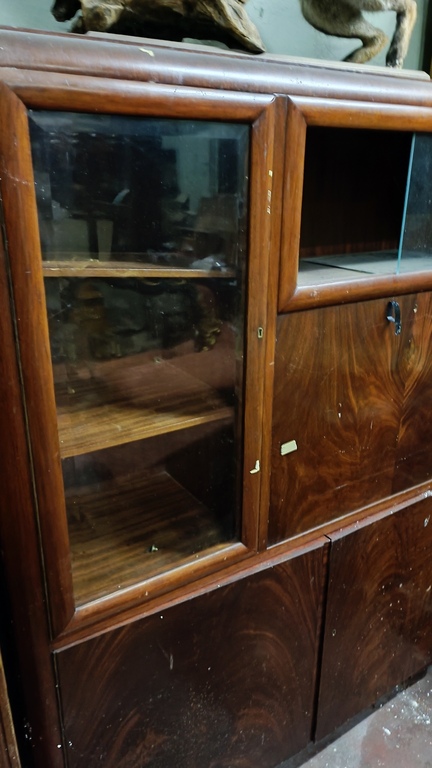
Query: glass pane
point(416, 248)
point(143, 237)
point(353, 202)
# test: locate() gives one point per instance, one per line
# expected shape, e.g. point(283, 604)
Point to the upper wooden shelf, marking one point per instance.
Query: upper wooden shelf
point(122, 401)
point(78, 267)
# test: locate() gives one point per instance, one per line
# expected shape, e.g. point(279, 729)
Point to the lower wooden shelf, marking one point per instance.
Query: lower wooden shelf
point(121, 535)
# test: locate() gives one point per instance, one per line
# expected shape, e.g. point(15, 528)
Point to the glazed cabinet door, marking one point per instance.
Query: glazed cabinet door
point(137, 294)
point(351, 420)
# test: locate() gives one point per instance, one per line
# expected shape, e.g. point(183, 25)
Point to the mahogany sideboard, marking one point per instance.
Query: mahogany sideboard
point(216, 388)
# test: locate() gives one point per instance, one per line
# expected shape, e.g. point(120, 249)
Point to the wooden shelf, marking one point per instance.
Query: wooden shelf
point(78, 267)
point(352, 266)
point(129, 399)
point(124, 534)
point(345, 267)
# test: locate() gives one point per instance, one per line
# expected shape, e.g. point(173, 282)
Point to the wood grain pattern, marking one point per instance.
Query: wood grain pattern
point(413, 463)
point(261, 254)
point(292, 203)
point(171, 63)
point(270, 331)
point(9, 755)
point(332, 292)
point(345, 113)
point(224, 680)
point(339, 394)
point(92, 268)
point(127, 400)
point(19, 540)
point(378, 614)
point(121, 536)
point(22, 234)
point(367, 434)
point(114, 96)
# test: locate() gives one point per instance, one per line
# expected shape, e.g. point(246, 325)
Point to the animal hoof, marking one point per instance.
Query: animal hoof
point(393, 60)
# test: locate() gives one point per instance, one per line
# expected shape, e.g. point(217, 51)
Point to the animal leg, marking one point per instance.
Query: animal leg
point(63, 10)
point(98, 17)
point(406, 14)
point(344, 20)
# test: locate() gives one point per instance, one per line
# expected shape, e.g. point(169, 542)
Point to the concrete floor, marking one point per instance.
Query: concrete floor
point(397, 735)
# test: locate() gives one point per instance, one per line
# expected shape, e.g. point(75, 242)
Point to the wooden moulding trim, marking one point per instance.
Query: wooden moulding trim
point(362, 289)
point(131, 58)
point(260, 230)
point(361, 114)
point(22, 235)
point(154, 592)
point(384, 509)
point(255, 563)
point(18, 526)
point(359, 518)
point(272, 294)
point(292, 202)
point(41, 90)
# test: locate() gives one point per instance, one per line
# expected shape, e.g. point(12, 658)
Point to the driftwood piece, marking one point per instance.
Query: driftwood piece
point(222, 20)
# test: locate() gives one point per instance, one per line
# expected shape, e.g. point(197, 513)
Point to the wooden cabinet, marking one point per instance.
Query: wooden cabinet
point(216, 279)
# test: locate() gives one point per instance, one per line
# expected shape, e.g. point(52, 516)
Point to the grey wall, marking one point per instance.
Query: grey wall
point(280, 23)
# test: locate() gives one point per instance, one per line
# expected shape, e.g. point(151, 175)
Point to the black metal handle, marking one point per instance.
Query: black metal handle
point(394, 316)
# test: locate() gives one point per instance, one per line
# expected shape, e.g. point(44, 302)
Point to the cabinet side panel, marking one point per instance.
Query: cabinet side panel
point(9, 756)
point(337, 404)
point(19, 544)
point(24, 262)
point(378, 613)
point(226, 679)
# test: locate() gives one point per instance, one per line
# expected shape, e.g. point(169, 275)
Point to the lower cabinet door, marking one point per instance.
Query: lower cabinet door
point(221, 681)
point(379, 612)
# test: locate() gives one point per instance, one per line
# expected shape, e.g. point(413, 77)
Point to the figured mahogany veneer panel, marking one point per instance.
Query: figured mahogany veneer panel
point(338, 395)
point(413, 456)
point(224, 680)
point(379, 607)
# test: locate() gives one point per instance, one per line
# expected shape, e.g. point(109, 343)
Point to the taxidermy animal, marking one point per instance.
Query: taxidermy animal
point(227, 21)
point(344, 18)
point(223, 20)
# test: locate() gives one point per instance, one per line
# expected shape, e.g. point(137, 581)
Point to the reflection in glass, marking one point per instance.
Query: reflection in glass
point(415, 253)
point(142, 225)
point(354, 188)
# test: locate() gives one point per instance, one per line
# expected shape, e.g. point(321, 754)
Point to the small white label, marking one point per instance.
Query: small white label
point(288, 447)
